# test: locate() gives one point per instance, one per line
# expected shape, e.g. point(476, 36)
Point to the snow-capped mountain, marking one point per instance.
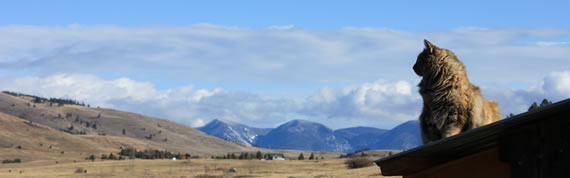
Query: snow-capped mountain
point(307, 135)
point(233, 132)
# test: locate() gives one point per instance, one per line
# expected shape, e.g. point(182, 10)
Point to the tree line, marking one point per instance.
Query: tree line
point(243, 155)
point(132, 153)
point(535, 106)
point(58, 101)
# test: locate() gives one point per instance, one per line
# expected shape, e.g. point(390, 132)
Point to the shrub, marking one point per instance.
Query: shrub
point(7, 161)
point(79, 170)
point(358, 162)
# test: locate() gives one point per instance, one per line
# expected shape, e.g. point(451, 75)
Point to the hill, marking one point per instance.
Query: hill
point(96, 123)
point(32, 141)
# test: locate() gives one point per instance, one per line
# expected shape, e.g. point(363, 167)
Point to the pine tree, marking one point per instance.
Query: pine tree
point(545, 102)
point(312, 156)
point(301, 157)
point(533, 107)
point(92, 157)
point(103, 157)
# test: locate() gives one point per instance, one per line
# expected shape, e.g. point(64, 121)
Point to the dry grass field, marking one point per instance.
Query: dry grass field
point(207, 168)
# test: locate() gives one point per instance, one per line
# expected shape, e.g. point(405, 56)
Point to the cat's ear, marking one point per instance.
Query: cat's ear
point(429, 46)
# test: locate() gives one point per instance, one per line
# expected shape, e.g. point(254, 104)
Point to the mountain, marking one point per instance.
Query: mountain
point(404, 136)
point(303, 135)
point(359, 137)
point(233, 132)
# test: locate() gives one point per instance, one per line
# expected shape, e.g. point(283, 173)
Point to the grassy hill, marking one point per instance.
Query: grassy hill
point(89, 127)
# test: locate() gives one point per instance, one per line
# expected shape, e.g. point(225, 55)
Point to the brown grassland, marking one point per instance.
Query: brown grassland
point(188, 168)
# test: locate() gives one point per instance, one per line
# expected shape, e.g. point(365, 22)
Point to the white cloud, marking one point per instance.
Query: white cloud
point(198, 123)
point(380, 103)
point(284, 27)
point(379, 100)
point(212, 52)
point(555, 87)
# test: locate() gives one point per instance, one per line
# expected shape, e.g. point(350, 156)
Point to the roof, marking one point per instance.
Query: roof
point(467, 143)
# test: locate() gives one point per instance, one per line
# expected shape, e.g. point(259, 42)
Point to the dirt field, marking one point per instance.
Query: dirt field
point(182, 168)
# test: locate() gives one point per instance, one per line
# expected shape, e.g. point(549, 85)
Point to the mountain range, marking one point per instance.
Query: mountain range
point(307, 135)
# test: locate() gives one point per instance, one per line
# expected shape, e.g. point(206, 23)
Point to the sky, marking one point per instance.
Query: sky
point(263, 63)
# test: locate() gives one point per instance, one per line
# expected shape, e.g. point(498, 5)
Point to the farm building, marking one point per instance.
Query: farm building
point(532, 144)
point(274, 156)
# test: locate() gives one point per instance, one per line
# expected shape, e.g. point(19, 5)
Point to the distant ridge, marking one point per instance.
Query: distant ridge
point(307, 135)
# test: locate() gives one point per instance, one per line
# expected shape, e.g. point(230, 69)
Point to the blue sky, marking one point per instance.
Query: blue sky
point(262, 63)
point(401, 15)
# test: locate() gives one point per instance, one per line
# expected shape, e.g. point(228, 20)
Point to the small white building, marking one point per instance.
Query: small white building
point(274, 156)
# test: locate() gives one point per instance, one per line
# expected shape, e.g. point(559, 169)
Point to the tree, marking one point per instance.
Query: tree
point(37, 100)
point(124, 131)
point(362, 154)
point(103, 157)
point(301, 157)
point(545, 102)
point(92, 157)
point(510, 115)
point(312, 156)
point(533, 107)
point(112, 157)
point(258, 155)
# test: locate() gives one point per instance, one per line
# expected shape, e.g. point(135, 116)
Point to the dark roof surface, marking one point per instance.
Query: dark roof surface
point(466, 143)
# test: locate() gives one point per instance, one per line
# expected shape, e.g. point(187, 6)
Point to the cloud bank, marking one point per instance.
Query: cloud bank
point(363, 75)
point(379, 103)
